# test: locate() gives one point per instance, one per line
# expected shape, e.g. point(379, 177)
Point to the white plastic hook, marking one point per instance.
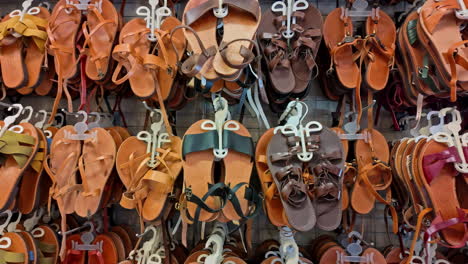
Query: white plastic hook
point(287, 8)
point(154, 16)
point(26, 10)
point(222, 11)
point(7, 221)
point(462, 13)
point(30, 113)
point(9, 120)
point(83, 5)
point(32, 222)
point(42, 122)
point(12, 226)
point(96, 122)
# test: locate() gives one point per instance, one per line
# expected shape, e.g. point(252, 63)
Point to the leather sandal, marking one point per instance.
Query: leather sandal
point(275, 54)
point(118, 245)
point(305, 48)
point(35, 49)
point(286, 171)
point(272, 202)
point(160, 180)
point(17, 151)
point(129, 53)
point(125, 238)
point(373, 174)
point(338, 36)
point(379, 46)
point(31, 245)
point(328, 171)
point(18, 251)
point(439, 182)
point(240, 23)
point(47, 245)
point(165, 63)
point(201, 194)
point(109, 252)
point(437, 21)
point(95, 165)
point(73, 256)
point(62, 166)
point(242, 200)
point(29, 191)
point(100, 32)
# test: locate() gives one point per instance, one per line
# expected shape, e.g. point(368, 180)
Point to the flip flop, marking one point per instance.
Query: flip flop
point(377, 257)
point(100, 32)
point(286, 170)
point(95, 165)
point(129, 53)
point(18, 251)
point(198, 173)
point(380, 47)
point(48, 76)
point(275, 54)
point(48, 245)
point(35, 51)
point(338, 36)
point(272, 202)
point(32, 247)
point(331, 255)
point(240, 24)
point(328, 170)
point(30, 191)
point(18, 151)
point(125, 238)
point(238, 165)
point(160, 180)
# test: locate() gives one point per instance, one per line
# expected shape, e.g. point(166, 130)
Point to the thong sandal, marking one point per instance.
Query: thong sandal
point(272, 202)
point(109, 252)
point(16, 153)
point(379, 45)
point(129, 53)
point(338, 36)
point(241, 22)
point(95, 165)
point(373, 174)
point(30, 191)
point(100, 31)
point(286, 170)
point(47, 244)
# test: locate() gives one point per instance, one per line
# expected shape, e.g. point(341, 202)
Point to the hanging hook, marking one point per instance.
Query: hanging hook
point(41, 123)
point(28, 117)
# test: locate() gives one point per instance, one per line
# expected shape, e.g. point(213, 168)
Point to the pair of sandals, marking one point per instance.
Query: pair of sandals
point(93, 159)
point(294, 188)
point(233, 252)
point(268, 252)
point(23, 52)
point(290, 62)
point(38, 246)
point(218, 190)
point(217, 61)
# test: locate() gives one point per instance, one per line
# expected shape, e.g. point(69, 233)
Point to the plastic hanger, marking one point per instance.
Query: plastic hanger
point(83, 5)
point(32, 222)
point(7, 221)
point(358, 9)
point(96, 122)
point(296, 128)
point(154, 139)
point(9, 120)
point(462, 13)
point(355, 250)
point(81, 128)
point(287, 8)
point(28, 117)
point(40, 124)
point(154, 16)
point(153, 242)
point(21, 13)
point(12, 226)
point(352, 127)
point(87, 238)
point(222, 11)
point(220, 124)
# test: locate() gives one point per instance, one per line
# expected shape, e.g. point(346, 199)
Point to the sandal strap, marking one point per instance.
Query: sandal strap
point(10, 144)
point(11, 257)
point(29, 27)
point(209, 140)
point(254, 199)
